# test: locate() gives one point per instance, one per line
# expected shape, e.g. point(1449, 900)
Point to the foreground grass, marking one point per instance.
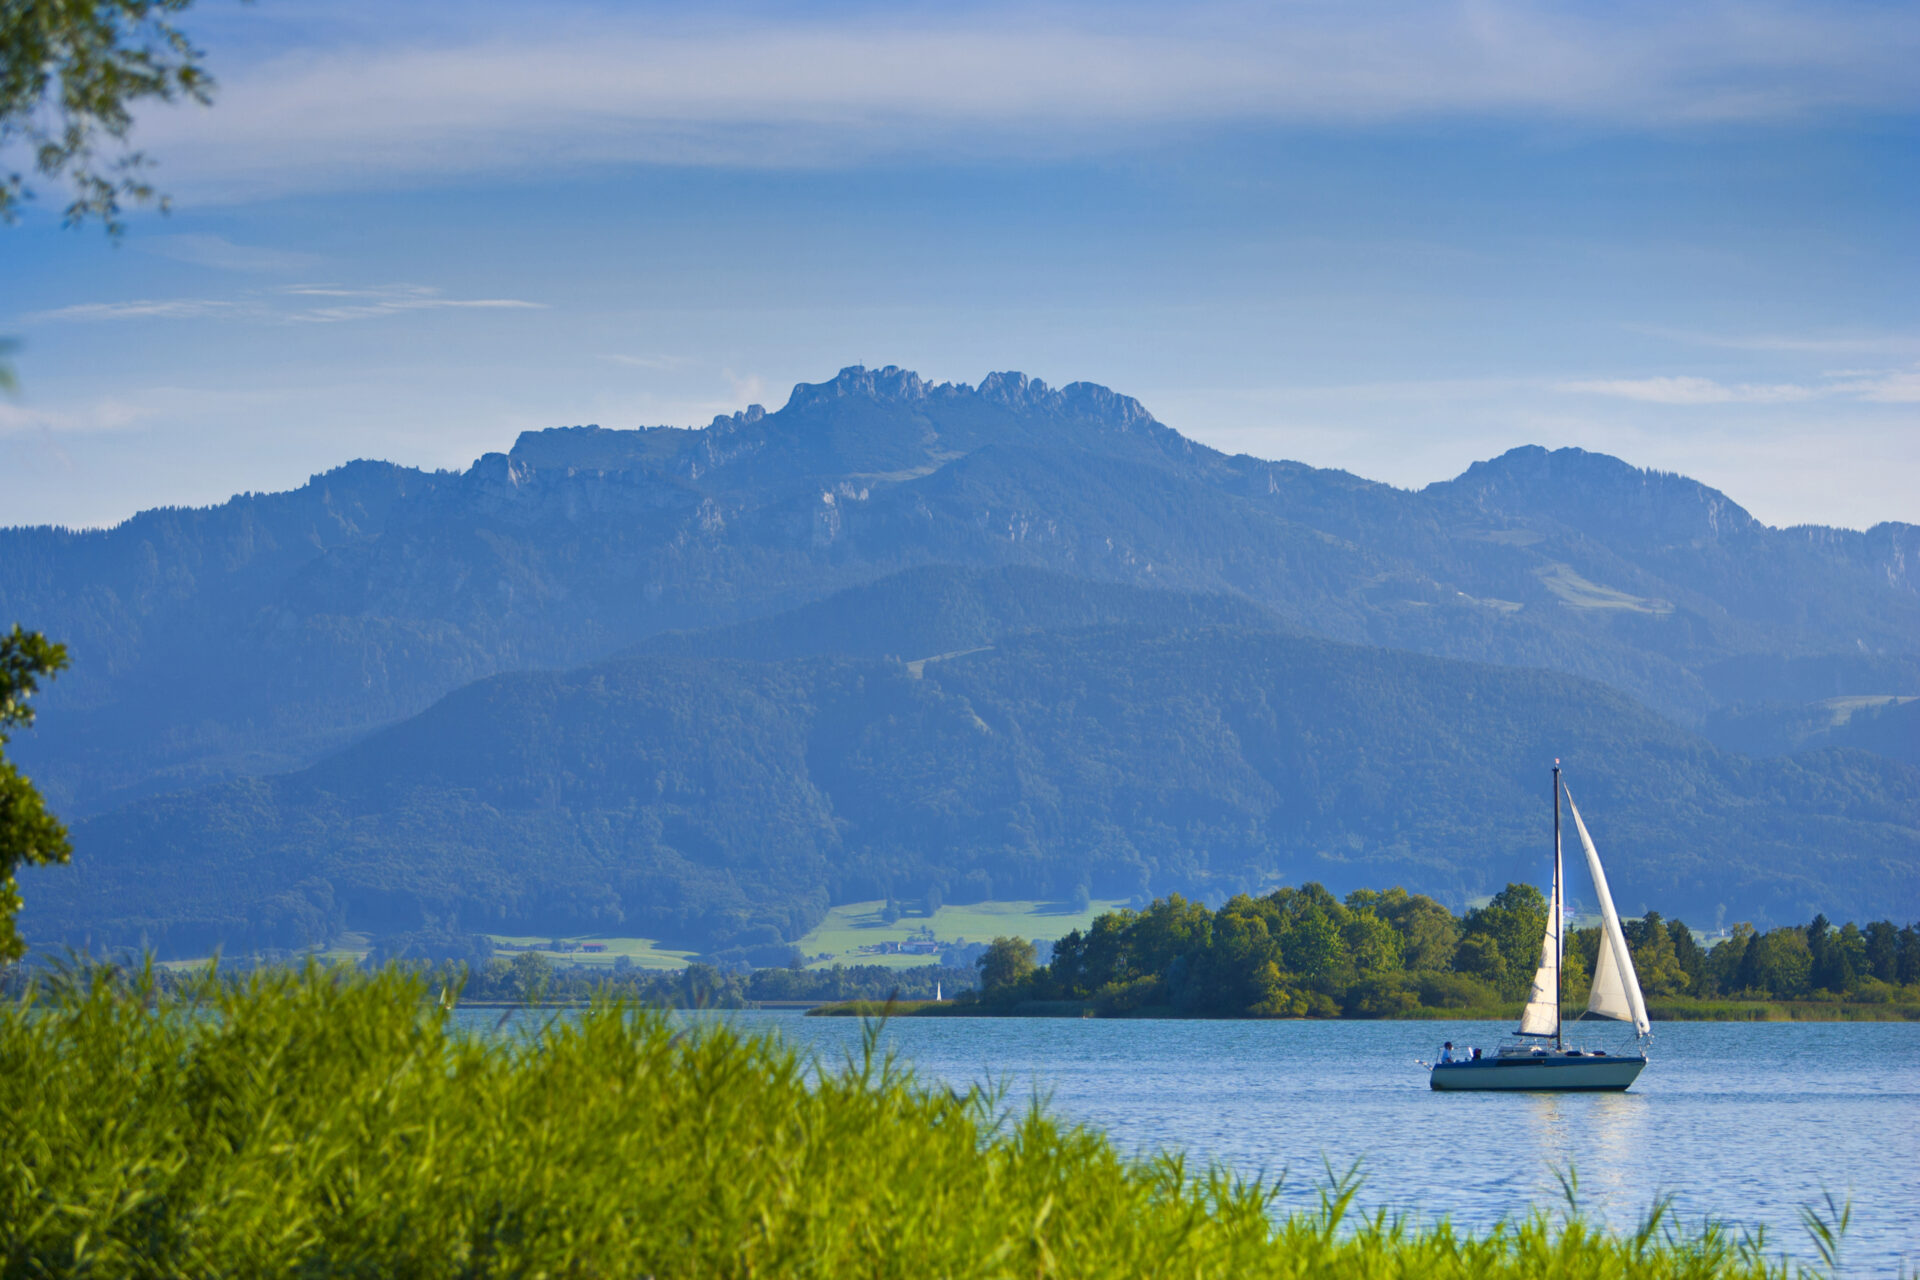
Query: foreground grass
point(319, 1125)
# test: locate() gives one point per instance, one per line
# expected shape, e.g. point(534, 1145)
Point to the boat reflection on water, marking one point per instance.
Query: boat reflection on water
point(1595, 1145)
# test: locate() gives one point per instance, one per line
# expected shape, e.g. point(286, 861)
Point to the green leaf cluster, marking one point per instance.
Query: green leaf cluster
point(29, 834)
point(71, 73)
point(1291, 953)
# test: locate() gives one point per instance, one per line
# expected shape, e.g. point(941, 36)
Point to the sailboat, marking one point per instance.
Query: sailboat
point(1542, 1060)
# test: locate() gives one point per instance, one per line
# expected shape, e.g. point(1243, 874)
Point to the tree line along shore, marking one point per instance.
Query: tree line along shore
point(1302, 952)
point(1294, 953)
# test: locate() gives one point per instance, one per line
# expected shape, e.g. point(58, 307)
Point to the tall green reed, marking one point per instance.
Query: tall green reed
point(317, 1124)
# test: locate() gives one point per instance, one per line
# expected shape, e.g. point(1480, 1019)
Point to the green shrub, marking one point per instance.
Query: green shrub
point(1440, 990)
point(1385, 996)
point(317, 1124)
point(1118, 999)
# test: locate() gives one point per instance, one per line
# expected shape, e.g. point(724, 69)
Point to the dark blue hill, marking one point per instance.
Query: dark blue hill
point(1029, 736)
point(258, 634)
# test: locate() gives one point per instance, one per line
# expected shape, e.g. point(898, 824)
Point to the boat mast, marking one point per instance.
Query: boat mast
point(1555, 907)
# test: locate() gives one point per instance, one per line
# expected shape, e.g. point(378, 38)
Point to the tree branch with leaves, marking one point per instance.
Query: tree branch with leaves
point(71, 72)
point(29, 835)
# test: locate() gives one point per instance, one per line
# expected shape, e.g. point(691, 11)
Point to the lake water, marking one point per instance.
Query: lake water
point(1742, 1122)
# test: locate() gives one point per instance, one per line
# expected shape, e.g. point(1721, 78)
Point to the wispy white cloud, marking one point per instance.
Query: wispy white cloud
point(712, 90)
point(366, 304)
point(274, 307)
point(749, 387)
point(1690, 391)
point(223, 254)
point(139, 309)
point(657, 363)
point(1839, 344)
point(1884, 386)
point(111, 414)
point(1898, 387)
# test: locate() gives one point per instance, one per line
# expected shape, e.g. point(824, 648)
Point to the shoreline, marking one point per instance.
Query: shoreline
point(1669, 1011)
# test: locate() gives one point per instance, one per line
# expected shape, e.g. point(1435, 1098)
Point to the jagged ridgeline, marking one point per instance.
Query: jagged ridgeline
point(273, 725)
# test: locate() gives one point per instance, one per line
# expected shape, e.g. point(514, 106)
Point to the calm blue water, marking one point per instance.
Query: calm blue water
point(1737, 1121)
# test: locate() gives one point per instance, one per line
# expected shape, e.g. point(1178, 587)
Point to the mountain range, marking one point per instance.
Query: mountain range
point(380, 697)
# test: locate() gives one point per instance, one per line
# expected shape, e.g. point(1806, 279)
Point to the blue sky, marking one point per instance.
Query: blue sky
point(1392, 238)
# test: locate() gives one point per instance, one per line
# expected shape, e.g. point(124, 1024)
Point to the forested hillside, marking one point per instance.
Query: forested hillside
point(257, 636)
point(712, 800)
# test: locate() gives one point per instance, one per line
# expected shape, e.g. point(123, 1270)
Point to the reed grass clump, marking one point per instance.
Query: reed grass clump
point(315, 1124)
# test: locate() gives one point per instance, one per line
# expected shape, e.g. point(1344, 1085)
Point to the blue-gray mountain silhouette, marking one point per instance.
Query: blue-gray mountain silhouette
point(267, 634)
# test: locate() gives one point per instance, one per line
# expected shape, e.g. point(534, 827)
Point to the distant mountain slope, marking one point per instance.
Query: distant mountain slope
point(1885, 726)
point(714, 801)
point(1808, 580)
point(256, 636)
point(942, 609)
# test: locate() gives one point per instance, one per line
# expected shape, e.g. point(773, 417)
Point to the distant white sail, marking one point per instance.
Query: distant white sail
point(1616, 988)
point(1541, 1017)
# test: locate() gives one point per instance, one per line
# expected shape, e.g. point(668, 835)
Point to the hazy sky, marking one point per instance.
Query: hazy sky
point(1392, 238)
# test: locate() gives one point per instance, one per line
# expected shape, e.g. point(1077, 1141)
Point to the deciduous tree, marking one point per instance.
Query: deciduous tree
point(1513, 924)
point(1909, 955)
point(1007, 962)
point(29, 835)
point(1883, 950)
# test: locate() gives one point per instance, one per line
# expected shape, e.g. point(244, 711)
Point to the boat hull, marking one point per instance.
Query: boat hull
point(1554, 1073)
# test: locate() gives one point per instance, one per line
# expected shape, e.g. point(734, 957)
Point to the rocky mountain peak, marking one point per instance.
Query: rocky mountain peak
point(1008, 389)
point(1596, 491)
point(889, 383)
point(1078, 400)
point(744, 418)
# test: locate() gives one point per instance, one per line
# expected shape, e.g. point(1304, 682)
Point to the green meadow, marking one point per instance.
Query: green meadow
point(324, 1123)
point(854, 925)
point(839, 936)
point(642, 953)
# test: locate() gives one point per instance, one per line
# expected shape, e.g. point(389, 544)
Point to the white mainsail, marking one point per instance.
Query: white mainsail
point(1541, 1017)
point(1616, 988)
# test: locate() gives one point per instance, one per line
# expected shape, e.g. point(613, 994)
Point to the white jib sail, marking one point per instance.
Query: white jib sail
point(1541, 1017)
point(1616, 988)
